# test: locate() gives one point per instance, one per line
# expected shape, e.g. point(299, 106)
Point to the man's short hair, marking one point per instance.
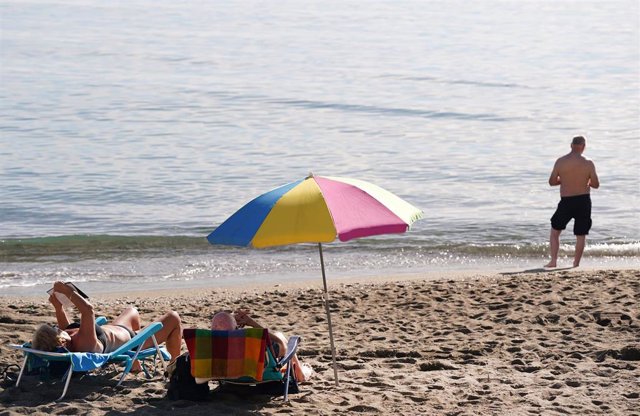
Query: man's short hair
point(578, 140)
point(223, 321)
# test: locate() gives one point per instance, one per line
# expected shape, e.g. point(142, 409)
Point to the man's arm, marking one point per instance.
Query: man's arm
point(243, 319)
point(554, 179)
point(594, 182)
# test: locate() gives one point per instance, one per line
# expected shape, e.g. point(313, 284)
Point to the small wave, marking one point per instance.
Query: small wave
point(362, 108)
point(481, 83)
point(614, 249)
point(80, 247)
point(461, 82)
point(114, 247)
point(391, 111)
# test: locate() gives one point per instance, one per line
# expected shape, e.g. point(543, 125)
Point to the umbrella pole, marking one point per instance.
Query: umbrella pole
point(326, 306)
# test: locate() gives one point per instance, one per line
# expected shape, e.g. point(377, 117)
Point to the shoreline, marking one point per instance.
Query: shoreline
point(260, 282)
point(256, 285)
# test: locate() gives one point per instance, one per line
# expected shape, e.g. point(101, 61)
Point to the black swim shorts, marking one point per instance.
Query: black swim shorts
point(577, 207)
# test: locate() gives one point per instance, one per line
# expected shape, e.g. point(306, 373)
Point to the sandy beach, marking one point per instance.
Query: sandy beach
point(553, 342)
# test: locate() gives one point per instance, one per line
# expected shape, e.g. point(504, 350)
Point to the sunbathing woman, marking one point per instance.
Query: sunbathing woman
point(86, 336)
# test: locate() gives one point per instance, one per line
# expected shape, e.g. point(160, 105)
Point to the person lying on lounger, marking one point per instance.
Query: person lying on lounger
point(87, 336)
point(225, 321)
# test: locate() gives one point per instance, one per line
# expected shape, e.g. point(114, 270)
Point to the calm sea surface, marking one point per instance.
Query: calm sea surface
point(130, 130)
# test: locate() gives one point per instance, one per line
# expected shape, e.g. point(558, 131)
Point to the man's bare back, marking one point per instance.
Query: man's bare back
point(575, 174)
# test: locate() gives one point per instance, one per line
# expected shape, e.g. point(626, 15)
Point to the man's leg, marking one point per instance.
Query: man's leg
point(554, 247)
point(580, 243)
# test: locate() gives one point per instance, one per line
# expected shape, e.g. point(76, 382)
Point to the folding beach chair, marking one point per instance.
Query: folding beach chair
point(87, 361)
point(242, 357)
point(48, 369)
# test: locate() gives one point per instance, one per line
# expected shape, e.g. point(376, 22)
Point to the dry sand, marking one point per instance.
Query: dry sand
point(559, 342)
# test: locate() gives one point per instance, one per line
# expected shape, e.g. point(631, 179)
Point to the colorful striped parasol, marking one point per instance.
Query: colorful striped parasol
point(317, 209)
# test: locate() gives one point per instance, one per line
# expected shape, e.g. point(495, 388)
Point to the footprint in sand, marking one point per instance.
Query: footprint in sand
point(363, 409)
point(435, 366)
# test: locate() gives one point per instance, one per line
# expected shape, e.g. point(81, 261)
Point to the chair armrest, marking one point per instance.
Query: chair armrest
point(139, 339)
point(292, 348)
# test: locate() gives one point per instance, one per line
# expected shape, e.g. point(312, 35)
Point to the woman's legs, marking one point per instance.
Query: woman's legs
point(171, 334)
point(129, 318)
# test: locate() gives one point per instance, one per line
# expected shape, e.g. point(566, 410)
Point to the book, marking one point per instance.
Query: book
point(64, 300)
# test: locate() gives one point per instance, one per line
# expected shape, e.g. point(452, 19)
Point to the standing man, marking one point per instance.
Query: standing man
point(576, 175)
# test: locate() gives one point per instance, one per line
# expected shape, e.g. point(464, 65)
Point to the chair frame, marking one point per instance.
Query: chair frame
point(124, 354)
point(292, 348)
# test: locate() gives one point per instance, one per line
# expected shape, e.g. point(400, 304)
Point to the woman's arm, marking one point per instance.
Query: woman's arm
point(85, 339)
point(61, 315)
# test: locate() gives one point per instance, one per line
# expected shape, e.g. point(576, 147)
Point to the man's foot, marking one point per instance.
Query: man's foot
point(576, 264)
point(550, 265)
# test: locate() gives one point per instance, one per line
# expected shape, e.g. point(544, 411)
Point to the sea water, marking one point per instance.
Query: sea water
point(130, 130)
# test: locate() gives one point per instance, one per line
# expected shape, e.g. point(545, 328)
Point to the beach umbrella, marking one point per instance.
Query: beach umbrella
point(317, 209)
